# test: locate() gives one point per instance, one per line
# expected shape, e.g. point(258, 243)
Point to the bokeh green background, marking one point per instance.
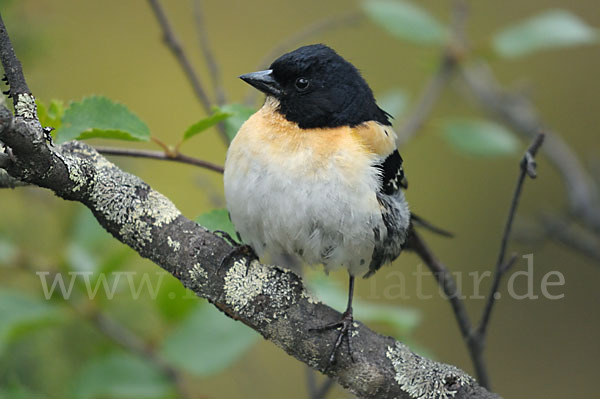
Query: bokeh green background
point(536, 348)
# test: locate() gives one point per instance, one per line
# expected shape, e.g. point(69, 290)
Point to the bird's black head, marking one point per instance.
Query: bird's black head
point(317, 88)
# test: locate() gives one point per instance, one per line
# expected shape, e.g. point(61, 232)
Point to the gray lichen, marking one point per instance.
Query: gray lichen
point(245, 283)
point(198, 275)
point(122, 198)
point(25, 106)
point(423, 378)
point(173, 244)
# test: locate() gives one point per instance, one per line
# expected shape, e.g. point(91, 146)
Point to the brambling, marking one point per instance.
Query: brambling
point(315, 172)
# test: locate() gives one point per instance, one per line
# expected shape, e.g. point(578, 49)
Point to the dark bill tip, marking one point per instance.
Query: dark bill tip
point(263, 81)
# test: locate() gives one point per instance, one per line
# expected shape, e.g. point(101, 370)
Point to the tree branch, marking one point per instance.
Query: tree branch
point(211, 62)
point(431, 93)
point(528, 168)
point(581, 241)
point(446, 282)
point(475, 339)
point(160, 155)
point(451, 57)
point(518, 112)
point(12, 65)
point(175, 46)
point(128, 340)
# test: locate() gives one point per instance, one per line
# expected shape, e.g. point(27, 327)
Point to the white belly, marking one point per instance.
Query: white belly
point(291, 200)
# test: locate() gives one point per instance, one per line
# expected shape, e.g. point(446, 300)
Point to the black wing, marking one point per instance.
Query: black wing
point(392, 174)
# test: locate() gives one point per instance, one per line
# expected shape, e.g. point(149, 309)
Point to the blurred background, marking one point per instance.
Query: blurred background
point(155, 340)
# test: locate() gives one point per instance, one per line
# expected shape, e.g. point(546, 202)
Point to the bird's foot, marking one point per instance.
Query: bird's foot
point(346, 327)
point(239, 250)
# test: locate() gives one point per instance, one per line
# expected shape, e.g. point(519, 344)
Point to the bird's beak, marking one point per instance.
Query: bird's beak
point(263, 81)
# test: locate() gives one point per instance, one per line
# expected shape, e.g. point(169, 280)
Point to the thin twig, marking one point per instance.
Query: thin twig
point(211, 62)
point(311, 383)
point(319, 27)
point(160, 156)
point(520, 114)
point(118, 333)
point(12, 66)
point(125, 338)
point(448, 285)
point(527, 166)
point(314, 391)
point(582, 241)
point(325, 388)
point(428, 98)
point(130, 341)
point(450, 59)
point(173, 44)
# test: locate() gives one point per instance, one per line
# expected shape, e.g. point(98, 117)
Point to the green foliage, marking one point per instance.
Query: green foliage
point(393, 102)
point(550, 29)
point(217, 219)
point(51, 116)
point(239, 114)
point(480, 137)
point(406, 20)
point(174, 301)
point(207, 342)
point(20, 313)
point(16, 390)
point(100, 117)
point(399, 319)
point(206, 123)
point(121, 376)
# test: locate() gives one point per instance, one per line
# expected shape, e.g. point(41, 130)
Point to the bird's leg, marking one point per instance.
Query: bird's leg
point(238, 250)
point(345, 324)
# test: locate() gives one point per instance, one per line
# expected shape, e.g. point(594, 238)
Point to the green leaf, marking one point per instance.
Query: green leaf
point(20, 313)
point(100, 117)
point(393, 102)
point(121, 376)
point(239, 114)
point(50, 116)
point(217, 219)
point(480, 137)
point(207, 342)
point(406, 20)
point(400, 319)
point(550, 29)
point(205, 123)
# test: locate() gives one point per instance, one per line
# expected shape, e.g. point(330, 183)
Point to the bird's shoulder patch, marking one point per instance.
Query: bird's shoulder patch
point(379, 139)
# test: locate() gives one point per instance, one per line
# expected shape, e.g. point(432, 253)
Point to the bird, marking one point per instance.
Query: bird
point(316, 172)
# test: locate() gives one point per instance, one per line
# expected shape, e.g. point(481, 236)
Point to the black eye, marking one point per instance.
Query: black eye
point(301, 84)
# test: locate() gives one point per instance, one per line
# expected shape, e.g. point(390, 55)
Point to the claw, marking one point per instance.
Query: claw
point(238, 251)
point(346, 326)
